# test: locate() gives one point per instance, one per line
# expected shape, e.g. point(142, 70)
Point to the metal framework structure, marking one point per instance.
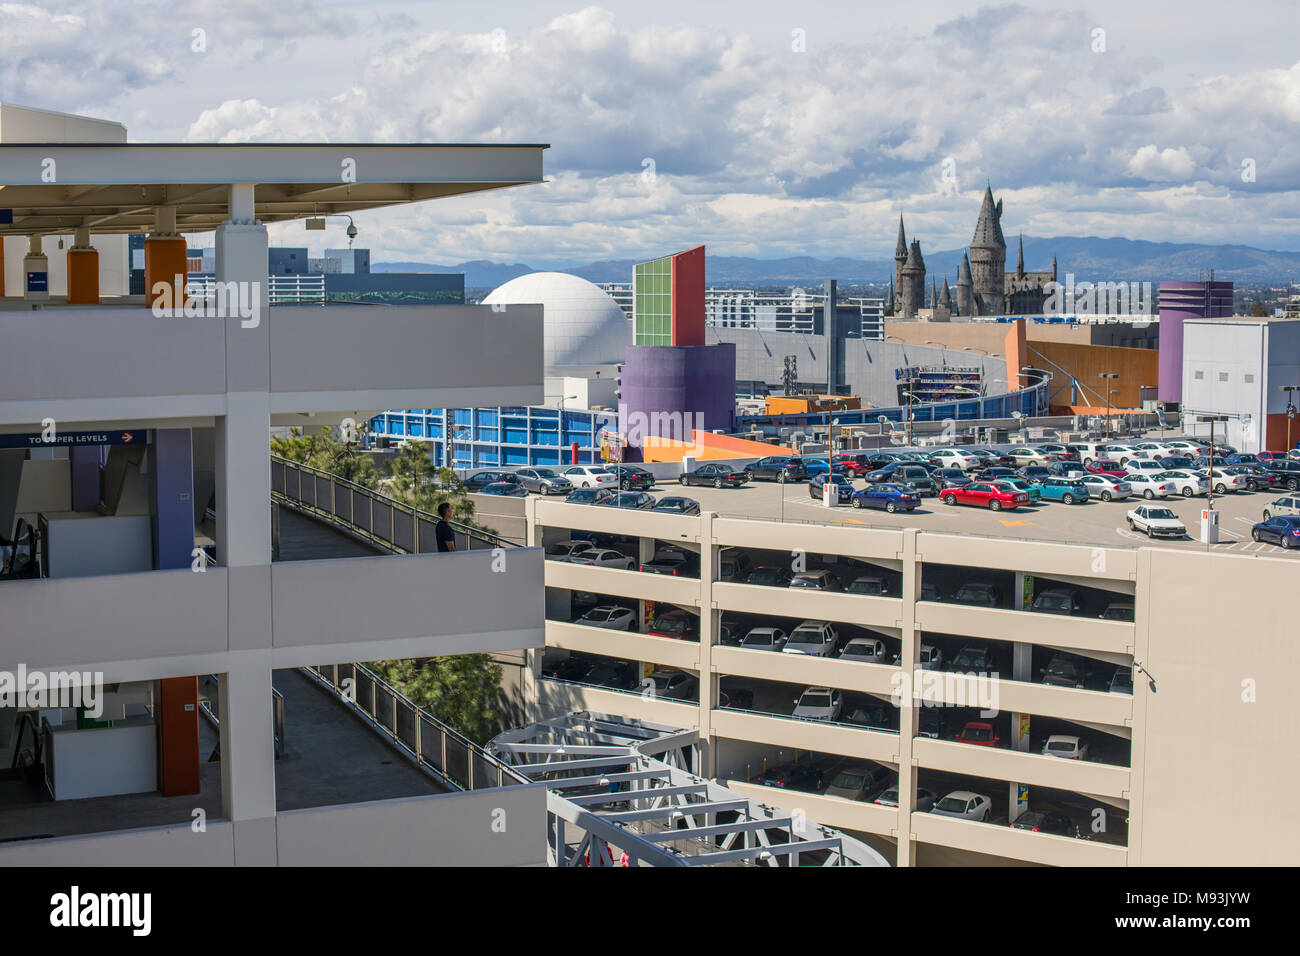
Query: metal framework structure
point(621, 784)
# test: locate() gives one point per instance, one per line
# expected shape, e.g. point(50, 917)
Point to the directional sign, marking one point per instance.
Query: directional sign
point(37, 439)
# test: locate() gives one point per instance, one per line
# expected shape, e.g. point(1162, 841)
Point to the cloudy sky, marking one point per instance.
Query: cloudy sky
point(760, 128)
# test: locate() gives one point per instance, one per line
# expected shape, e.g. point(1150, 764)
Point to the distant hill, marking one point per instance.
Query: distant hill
point(1087, 257)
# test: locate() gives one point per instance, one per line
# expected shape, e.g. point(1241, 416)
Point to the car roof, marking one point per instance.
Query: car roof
point(963, 795)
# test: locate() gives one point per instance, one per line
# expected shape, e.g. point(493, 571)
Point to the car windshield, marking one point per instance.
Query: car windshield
point(1062, 668)
point(545, 473)
point(808, 581)
point(972, 592)
point(859, 650)
point(926, 654)
point(765, 576)
point(1071, 483)
point(1056, 602)
point(847, 781)
point(978, 733)
point(758, 637)
point(816, 700)
point(966, 660)
point(1061, 746)
point(952, 805)
point(673, 625)
point(806, 635)
point(599, 615)
point(1161, 513)
point(867, 586)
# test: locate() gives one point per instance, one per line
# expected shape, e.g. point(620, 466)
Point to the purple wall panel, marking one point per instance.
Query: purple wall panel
point(171, 476)
point(1180, 301)
point(695, 380)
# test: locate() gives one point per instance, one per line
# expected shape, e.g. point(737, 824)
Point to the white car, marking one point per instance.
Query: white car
point(1156, 449)
point(1189, 449)
point(1150, 484)
point(1122, 453)
point(1066, 746)
point(814, 638)
point(1145, 465)
point(952, 458)
point(602, 558)
point(764, 639)
point(1187, 483)
point(1024, 455)
point(1107, 488)
point(1156, 521)
point(568, 550)
point(1282, 506)
point(819, 703)
point(591, 476)
point(866, 650)
point(931, 657)
point(964, 805)
point(1225, 482)
point(609, 616)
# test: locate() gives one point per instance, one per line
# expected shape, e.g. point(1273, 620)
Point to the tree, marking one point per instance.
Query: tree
point(327, 453)
point(416, 479)
point(461, 691)
point(1258, 308)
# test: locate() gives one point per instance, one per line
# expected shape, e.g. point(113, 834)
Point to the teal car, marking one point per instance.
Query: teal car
point(1069, 490)
point(1019, 484)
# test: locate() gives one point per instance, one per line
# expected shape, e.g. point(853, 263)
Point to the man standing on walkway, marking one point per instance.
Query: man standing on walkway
point(446, 537)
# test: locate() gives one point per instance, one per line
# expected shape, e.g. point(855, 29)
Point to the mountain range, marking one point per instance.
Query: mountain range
point(1087, 257)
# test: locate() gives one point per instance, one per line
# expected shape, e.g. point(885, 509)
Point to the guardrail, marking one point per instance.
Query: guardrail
point(386, 522)
point(208, 709)
point(281, 290)
point(448, 756)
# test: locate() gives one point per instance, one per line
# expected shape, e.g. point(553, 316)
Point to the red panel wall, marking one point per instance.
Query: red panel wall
point(176, 711)
point(688, 297)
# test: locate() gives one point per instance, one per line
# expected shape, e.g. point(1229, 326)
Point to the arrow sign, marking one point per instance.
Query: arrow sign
point(1016, 524)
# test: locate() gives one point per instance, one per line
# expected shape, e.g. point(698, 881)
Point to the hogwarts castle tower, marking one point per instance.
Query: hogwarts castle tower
point(988, 259)
point(907, 290)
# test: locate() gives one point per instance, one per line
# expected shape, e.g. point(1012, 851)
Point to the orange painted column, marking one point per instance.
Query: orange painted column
point(1016, 350)
point(83, 276)
point(176, 712)
point(165, 260)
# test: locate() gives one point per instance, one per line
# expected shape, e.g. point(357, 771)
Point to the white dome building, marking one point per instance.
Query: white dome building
point(584, 327)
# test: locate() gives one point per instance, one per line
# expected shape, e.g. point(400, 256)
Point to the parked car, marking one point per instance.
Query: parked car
point(813, 638)
point(770, 576)
point(1288, 472)
point(619, 675)
point(1282, 506)
point(730, 632)
point(991, 458)
point(1058, 601)
point(719, 476)
point(1264, 456)
point(1121, 681)
point(591, 476)
point(795, 776)
point(965, 805)
point(1068, 490)
point(924, 799)
point(1241, 458)
point(675, 624)
point(670, 561)
point(481, 479)
point(1066, 746)
point(843, 488)
point(1106, 466)
point(571, 668)
point(1107, 487)
point(888, 497)
point(1023, 455)
point(955, 458)
point(819, 703)
point(777, 468)
point(1151, 486)
point(1178, 462)
point(1067, 469)
point(1282, 530)
point(588, 496)
point(860, 781)
point(1122, 453)
point(504, 489)
point(1065, 671)
point(1087, 452)
point(604, 558)
point(875, 584)
point(985, 495)
point(931, 658)
point(1224, 482)
point(1045, 821)
point(565, 550)
point(931, 722)
point(1059, 452)
point(735, 697)
point(611, 617)
point(816, 466)
point(1145, 466)
point(544, 481)
point(1156, 521)
point(872, 716)
point(866, 650)
point(951, 478)
point(929, 592)
point(1035, 473)
point(996, 472)
point(1187, 482)
point(1119, 611)
point(733, 565)
point(764, 639)
point(979, 593)
point(633, 478)
point(1020, 484)
point(674, 505)
point(857, 463)
point(1186, 448)
point(972, 660)
point(672, 684)
point(1256, 477)
point(981, 733)
point(816, 580)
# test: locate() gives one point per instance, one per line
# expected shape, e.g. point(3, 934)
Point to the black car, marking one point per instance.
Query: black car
point(719, 476)
point(619, 675)
point(634, 500)
point(677, 506)
point(505, 489)
point(877, 716)
point(1045, 821)
point(1282, 530)
point(951, 478)
point(930, 722)
point(589, 496)
point(730, 633)
point(979, 593)
point(481, 479)
point(795, 776)
point(672, 561)
point(770, 576)
point(1179, 462)
point(843, 487)
point(632, 478)
point(735, 695)
point(994, 472)
point(1035, 473)
point(571, 668)
point(778, 468)
point(733, 565)
point(1286, 471)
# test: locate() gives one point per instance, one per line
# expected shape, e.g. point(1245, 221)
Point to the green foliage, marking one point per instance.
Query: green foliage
point(418, 480)
point(327, 453)
point(461, 691)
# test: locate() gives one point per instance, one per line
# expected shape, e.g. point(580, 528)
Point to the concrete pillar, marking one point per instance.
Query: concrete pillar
point(248, 757)
point(171, 492)
point(2, 266)
point(166, 262)
point(1022, 661)
point(83, 270)
point(84, 463)
point(708, 764)
point(36, 271)
point(908, 718)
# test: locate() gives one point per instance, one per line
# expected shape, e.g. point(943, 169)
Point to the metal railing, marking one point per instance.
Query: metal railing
point(386, 522)
point(209, 709)
point(281, 290)
point(448, 756)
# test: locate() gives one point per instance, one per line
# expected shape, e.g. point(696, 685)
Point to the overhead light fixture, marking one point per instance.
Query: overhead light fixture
point(316, 224)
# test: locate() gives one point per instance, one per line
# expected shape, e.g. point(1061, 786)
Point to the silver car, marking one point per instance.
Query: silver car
point(544, 481)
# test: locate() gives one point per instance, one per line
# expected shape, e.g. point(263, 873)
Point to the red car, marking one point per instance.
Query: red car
point(980, 733)
point(985, 495)
point(858, 465)
point(1271, 456)
point(1105, 466)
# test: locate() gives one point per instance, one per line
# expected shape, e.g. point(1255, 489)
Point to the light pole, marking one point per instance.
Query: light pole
point(1290, 412)
point(559, 425)
point(1209, 494)
point(1109, 376)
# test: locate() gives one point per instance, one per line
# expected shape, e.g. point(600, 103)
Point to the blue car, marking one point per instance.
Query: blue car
point(889, 497)
point(1282, 530)
point(1069, 490)
point(816, 466)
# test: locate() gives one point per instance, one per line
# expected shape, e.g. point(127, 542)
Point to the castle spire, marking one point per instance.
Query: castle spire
point(945, 297)
point(988, 228)
point(963, 275)
point(1020, 258)
point(900, 250)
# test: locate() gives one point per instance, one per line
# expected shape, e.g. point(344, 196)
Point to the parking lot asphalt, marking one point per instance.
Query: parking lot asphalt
point(1092, 523)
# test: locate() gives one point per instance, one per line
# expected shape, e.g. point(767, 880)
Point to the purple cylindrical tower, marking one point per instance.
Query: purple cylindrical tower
point(1180, 301)
point(668, 391)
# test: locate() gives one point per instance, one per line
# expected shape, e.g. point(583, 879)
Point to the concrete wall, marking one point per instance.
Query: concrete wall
point(1136, 368)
